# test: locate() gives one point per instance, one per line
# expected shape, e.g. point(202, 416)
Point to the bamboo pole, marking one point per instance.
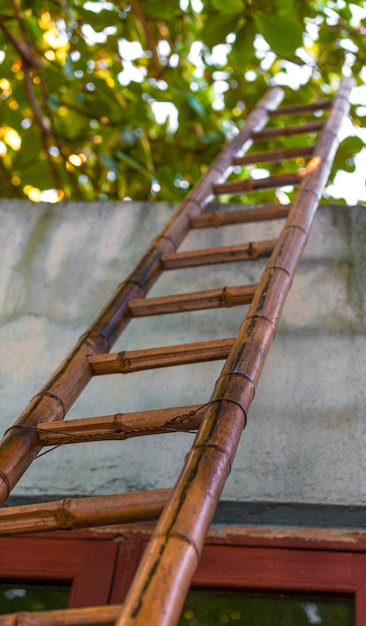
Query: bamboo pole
point(164, 575)
point(19, 447)
point(225, 254)
point(286, 131)
point(196, 301)
point(290, 109)
point(93, 616)
point(252, 184)
point(73, 513)
point(274, 156)
point(121, 426)
point(240, 216)
point(182, 354)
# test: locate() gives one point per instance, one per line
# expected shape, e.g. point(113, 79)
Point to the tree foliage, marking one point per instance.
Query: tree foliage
point(102, 99)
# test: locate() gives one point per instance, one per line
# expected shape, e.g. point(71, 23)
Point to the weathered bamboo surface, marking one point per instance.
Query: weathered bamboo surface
point(274, 156)
point(252, 184)
point(94, 616)
point(73, 513)
point(120, 426)
point(165, 572)
point(240, 216)
point(226, 254)
point(19, 447)
point(286, 131)
point(195, 301)
point(182, 354)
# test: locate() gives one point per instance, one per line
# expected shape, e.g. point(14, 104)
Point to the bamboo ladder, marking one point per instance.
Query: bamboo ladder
point(163, 578)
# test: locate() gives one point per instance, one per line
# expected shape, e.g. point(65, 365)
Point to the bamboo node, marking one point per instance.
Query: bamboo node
point(225, 297)
point(228, 399)
point(123, 361)
point(277, 266)
point(252, 251)
point(174, 243)
point(90, 339)
point(196, 202)
point(6, 482)
point(133, 281)
point(273, 322)
point(53, 396)
point(183, 537)
point(216, 219)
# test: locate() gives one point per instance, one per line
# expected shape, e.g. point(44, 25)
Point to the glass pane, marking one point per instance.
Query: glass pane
point(214, 608)
point(17, 596)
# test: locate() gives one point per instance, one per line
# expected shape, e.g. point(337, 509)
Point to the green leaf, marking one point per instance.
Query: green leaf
point(159, 9)
point(243, 48)
point(282, 33)
point(122, 156)
point(31, 145)
point(227, 7)
point(216, 28)
point(196, 105)
point(99, 21)
point(347, 150)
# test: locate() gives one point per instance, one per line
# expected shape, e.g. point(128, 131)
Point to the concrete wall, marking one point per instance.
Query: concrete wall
point(306, 434)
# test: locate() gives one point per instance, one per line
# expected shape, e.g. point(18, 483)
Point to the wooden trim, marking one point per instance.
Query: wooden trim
point(88, 565)
point(231, 561)
point(129, 556)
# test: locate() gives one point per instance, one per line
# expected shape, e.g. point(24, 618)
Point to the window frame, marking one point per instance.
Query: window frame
point(270, 562)
point(87, 564)
point(101, 564)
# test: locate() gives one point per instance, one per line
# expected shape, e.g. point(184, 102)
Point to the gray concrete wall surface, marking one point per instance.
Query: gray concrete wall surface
point(305, 440)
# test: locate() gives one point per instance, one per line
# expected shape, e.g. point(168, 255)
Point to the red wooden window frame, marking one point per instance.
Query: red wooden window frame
point(285, 570)
point(269, 566)
point(88, 565)
point(101, 570)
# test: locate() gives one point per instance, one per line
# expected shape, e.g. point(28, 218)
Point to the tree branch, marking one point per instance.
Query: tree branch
point(148, 34)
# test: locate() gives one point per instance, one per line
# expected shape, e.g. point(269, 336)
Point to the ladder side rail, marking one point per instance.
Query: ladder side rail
point(20, 445)
point(171, 557)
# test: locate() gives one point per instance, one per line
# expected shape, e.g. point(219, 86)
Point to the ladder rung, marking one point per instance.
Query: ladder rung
point(301, 108)
point(298, 129)
point(239, 186)
point(119, 426)
point(241, 216)
point(226, 254)
point(213, 298)
point(274, 156)
point(90, 616)
point(72, 513)
point(137, 360)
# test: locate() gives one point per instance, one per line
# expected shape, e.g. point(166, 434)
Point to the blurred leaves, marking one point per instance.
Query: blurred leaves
point(112, 100)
